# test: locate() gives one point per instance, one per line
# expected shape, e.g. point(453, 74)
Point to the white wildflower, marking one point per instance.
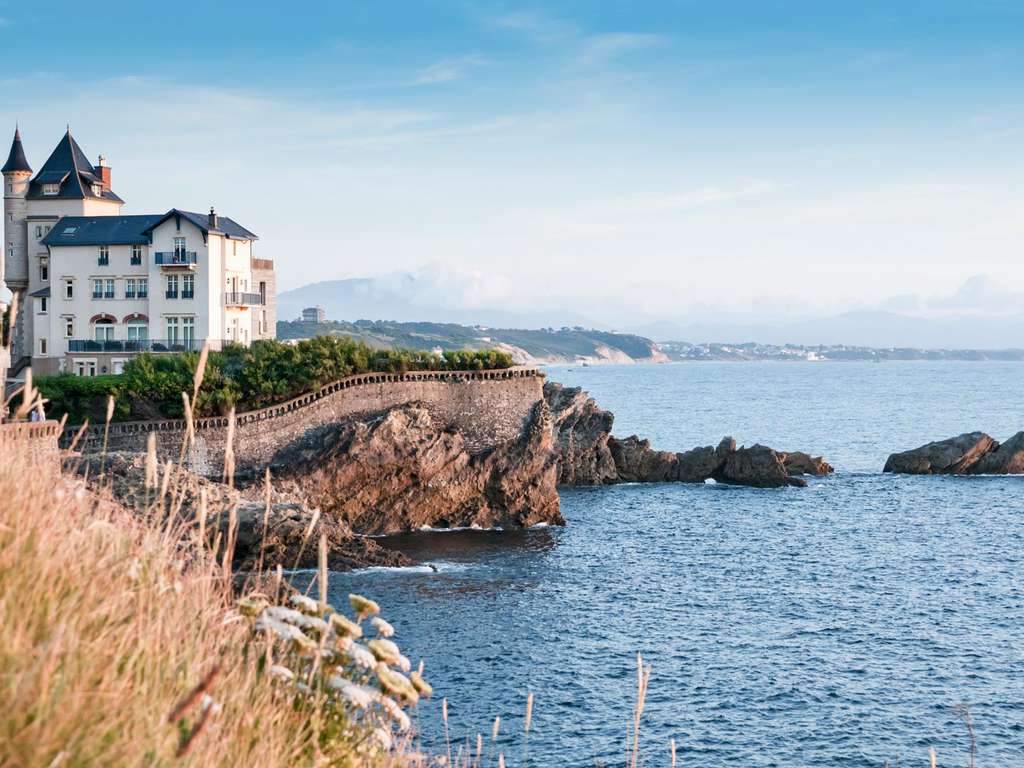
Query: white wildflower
point(396, 713)
point(384, 629)
point(396, 684)
point(361, 655)
point(403, 664)
point(345, 626)
point(209, 704)
point(363, 606)
point(281, 673)
point(383, 738)
point(307, 605)
point(354, 694)
point(384, 650)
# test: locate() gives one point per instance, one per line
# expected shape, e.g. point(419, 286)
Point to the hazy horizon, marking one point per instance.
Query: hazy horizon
point(633, 165)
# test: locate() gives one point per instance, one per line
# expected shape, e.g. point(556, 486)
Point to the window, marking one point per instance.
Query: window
point(43, 301)
point(69, 289)
point(39, 231)
point(69, 327)
point(143, 287)
point(172, 330)
point(51, 189)
point(109, 292)
point(104, 330)
point(44, 268)
point(104, 258)
point(85, 367)
point(97, 289)
point(136, 255)
point(97, 190)
point(188, 286)
point(263, 292)
point(129, 288)
point(234, 247)
point(188, 331)
point(179, 247)
point(172, 286)
point(138, 331)
point(42, 345)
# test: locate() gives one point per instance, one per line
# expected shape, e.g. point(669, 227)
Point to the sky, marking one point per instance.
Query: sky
point(623, 160)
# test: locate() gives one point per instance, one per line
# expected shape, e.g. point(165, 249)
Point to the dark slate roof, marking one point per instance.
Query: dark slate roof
point(16, 160)
point(68, 166)
point(101, 230)
point(225, 226)
point(42, 293)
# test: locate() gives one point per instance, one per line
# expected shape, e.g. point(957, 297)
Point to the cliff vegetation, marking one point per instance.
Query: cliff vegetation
point(244, 378)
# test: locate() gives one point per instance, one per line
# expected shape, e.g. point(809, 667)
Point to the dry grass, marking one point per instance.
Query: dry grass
point(108, 622)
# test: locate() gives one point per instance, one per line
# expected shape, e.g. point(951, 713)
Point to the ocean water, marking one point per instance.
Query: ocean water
point(837, 625)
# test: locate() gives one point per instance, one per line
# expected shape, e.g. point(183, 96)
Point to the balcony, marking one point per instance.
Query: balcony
point(135, 346)
point(187, 259)
point(234, 299)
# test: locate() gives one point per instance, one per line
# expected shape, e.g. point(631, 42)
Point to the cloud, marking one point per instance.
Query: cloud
point(596, 50)
point(448, 69)
point(980, 294)
point(540, 27)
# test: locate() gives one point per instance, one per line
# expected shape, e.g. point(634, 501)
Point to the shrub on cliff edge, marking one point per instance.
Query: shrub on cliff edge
point(247, 378)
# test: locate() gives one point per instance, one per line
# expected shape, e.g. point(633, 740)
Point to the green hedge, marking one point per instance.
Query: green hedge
point(253, 377)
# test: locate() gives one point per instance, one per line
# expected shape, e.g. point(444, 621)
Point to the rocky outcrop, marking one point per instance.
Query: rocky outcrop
point(590, 455)
point(399, 472)
point(972, 453)
point(581, 433)
point(287, 533)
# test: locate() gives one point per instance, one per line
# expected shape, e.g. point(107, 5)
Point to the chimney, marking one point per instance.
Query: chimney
point(104, 171)
point(213, 221)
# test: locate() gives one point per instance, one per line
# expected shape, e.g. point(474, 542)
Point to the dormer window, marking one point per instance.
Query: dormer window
point(104, 255)
point(51, 189)
point(97, 190)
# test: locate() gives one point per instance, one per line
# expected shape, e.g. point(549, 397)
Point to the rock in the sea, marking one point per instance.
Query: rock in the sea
point(800, 463)
point(588, 454)
point(757, 466)
point(954, 456)
point(972, 453)
point(399, 472)
point(1006, 459)
point(581, 432)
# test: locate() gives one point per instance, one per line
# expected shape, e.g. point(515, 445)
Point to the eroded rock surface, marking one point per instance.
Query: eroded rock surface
point(281, 535)
point(399, 472)
point(590, 455)
point(972, 453)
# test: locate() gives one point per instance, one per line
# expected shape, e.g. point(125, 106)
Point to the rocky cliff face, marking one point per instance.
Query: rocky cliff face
point(972, 453)
point(278, 535)
point(590, 455)
point(399, 472)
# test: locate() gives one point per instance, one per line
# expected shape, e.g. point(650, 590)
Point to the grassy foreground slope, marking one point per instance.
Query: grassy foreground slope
point(109, 621)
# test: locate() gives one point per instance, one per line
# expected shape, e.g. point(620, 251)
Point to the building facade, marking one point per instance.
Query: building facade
point(96, 287)
point(314, 315)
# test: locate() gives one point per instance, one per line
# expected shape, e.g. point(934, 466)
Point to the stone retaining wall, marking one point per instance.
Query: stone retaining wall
point(487, 407)
point(37, 439)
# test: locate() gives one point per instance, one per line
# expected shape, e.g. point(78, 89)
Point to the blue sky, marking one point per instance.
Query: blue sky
point(663, 159)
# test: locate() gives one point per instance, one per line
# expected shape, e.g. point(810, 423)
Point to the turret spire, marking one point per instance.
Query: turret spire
point(16, 160)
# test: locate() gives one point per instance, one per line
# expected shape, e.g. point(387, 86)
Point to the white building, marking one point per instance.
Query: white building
point(96, 287)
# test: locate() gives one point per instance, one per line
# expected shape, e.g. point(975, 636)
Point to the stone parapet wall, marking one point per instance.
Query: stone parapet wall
point(487, 407)
point(35, 439)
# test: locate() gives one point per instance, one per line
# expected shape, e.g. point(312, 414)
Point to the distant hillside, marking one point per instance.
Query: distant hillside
point(526, 346)
point(407, 298)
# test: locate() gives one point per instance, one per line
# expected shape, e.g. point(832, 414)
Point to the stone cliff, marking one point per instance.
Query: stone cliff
point(590, 455)
point(400, 471)
point(972, 453)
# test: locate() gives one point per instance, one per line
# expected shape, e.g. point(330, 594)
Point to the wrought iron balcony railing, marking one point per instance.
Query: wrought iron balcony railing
point(235, 299)
point(176, 258)
point(141, 345)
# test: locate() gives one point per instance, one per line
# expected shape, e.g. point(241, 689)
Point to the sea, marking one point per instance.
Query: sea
point(857, 622)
